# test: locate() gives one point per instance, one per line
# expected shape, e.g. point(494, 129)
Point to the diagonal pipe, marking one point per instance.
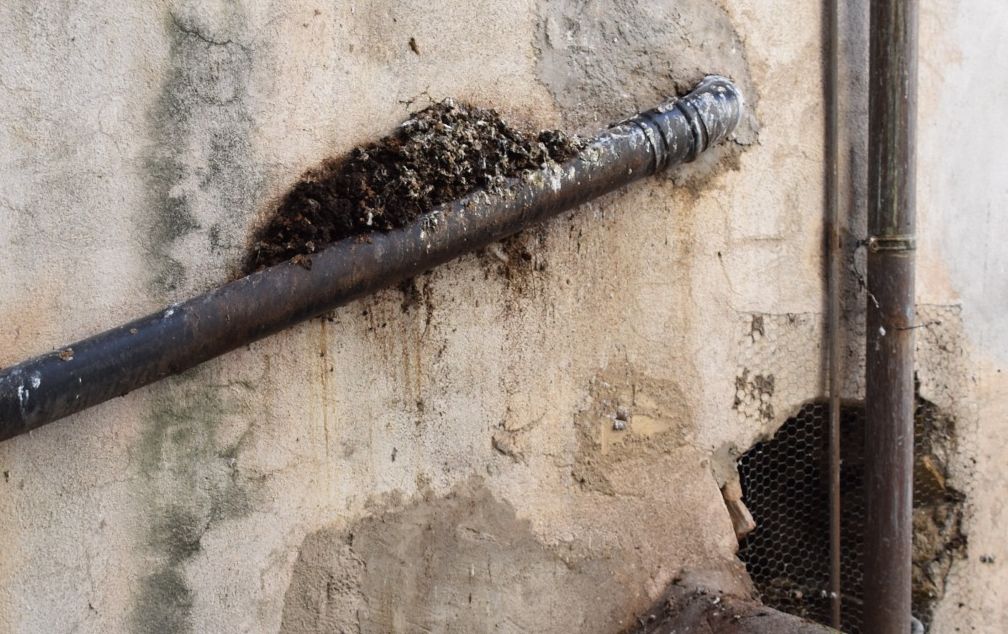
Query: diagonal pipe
point(110, 364)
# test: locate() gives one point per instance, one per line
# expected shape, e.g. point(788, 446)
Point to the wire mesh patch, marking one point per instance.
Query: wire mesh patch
point(785, 484)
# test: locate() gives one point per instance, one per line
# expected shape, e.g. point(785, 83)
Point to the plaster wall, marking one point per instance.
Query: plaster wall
point(446, 464)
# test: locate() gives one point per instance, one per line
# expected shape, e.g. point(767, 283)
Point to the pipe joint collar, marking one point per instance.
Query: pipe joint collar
point(713, 110)
point(679, 131)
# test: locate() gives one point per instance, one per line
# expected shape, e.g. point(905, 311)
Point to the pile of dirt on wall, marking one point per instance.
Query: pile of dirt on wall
point(439, 154)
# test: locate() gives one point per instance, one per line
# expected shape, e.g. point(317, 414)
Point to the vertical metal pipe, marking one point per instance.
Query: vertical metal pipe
point(831, 86)
point(889, 388)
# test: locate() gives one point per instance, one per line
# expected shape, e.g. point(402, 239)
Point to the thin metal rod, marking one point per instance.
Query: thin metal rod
point(889, 384)
point(831, 87)
point(182, 336)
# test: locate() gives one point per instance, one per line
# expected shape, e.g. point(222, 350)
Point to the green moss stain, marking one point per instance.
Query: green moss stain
point(203, 181)
point(191, 481)
point(203, 185)
point(165, 604)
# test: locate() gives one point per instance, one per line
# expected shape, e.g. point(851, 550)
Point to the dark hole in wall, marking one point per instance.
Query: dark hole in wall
point(786, 488)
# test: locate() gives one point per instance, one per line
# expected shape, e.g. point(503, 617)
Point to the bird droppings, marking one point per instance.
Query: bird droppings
point(439, 154)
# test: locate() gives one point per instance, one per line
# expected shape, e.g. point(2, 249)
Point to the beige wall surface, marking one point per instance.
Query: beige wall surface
point(449, 464)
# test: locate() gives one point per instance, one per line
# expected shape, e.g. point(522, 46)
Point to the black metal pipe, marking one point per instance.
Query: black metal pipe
point(110, 364)
point(889, 385)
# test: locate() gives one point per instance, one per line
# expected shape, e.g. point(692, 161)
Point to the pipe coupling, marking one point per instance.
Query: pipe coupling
point(681, 130)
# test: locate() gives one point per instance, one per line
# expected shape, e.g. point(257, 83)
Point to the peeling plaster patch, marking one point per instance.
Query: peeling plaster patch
point(462, 563)
point(946, 384)
point(469, 562)
point(754, 395)
point(325, 594)
point(788, 553)
point(631, 415)
point(203, 180)
point(604, 59)
point(780, 363)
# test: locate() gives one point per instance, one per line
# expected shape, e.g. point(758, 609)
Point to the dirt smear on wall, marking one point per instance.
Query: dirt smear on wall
point(191, 483)
point(201, 172)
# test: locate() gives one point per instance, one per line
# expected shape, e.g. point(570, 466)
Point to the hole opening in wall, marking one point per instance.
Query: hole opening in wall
point(785, 485)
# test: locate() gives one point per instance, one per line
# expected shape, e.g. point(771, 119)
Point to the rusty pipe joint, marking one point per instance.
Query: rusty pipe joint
point(181, 336)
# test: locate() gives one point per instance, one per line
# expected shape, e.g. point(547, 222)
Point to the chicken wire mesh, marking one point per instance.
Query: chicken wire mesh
point(785, 480)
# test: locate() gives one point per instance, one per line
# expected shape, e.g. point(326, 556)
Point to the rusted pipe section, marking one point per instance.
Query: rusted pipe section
point(889, 385)
point(83, 374)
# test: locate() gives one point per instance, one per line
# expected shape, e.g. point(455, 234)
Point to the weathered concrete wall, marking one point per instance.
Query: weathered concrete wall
point(964, 260)
point(449, 463)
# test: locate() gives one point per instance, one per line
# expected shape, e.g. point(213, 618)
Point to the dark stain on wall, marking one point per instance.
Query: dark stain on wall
point(164, 603)
point(204, 184)
point(202, 178)
point(190, 482)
